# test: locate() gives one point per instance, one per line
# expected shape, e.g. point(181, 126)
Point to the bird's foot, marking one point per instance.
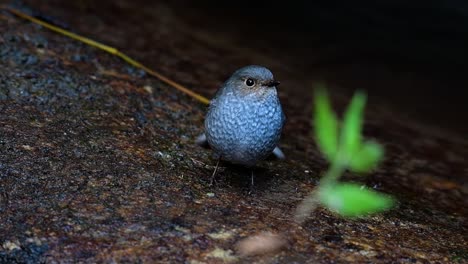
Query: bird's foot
point(251, 189)
point(212, 180)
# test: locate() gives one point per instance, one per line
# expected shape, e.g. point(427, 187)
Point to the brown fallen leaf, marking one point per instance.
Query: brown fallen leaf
point(260, 244)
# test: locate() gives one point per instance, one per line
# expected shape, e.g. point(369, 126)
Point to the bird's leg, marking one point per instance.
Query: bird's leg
point(251, 181)
point(214, 172)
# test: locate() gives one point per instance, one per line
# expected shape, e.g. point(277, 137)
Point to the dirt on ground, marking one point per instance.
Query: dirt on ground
point(98, 161)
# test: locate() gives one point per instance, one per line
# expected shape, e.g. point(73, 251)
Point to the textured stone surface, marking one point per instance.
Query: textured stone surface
point(98, 161)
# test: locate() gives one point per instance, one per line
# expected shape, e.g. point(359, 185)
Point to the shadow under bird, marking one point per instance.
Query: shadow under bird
point(244, 120)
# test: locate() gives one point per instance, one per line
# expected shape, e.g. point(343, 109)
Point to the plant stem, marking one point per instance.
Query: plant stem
point(336, 170)
point(310, 203)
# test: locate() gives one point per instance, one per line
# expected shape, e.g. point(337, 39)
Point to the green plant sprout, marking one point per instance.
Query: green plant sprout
point(343, 146)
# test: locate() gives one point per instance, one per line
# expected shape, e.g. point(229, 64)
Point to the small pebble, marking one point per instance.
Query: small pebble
point(148, 88)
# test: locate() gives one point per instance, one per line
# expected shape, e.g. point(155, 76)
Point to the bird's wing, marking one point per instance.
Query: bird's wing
point(202, 141)
point(218, 95)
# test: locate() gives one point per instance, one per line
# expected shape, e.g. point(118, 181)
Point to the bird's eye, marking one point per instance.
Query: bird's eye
point(250, 82)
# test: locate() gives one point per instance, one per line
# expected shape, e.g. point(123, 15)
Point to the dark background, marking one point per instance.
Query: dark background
point(412, 54)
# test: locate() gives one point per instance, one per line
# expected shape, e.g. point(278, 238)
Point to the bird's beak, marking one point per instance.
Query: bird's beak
point(272, 83)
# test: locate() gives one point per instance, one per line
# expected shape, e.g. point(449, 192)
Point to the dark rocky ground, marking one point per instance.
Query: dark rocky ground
point(98, 164)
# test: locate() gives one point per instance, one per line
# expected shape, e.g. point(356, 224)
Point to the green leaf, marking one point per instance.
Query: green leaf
point(350, 200)
point(325, 124)
point(352, 125)
point(367, 157)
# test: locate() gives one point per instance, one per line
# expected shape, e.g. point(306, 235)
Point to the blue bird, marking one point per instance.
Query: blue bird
point(245, 118)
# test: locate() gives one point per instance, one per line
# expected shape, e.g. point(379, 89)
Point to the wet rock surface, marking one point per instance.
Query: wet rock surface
point(98, 161)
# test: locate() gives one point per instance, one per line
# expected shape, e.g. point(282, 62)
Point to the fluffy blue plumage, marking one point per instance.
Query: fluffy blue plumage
point(244, 122)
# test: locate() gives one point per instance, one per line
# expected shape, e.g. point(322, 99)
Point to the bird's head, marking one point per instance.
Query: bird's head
point(253, 79)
